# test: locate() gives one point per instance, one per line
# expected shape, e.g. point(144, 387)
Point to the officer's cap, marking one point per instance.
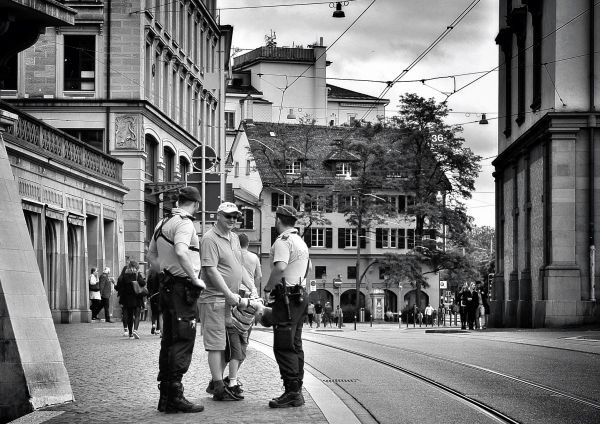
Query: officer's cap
point(190, 194)
point(286, 210)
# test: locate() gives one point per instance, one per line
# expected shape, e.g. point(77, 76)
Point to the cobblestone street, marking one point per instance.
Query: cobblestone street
point(114, 380)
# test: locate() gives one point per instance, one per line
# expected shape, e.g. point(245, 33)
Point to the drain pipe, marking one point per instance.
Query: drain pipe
point(591, 165)
point(108, 54)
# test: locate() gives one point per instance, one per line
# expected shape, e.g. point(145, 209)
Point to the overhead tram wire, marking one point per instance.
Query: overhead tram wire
point(158, 6)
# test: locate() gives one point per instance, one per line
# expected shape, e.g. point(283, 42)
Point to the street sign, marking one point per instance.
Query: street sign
point(210, 158)
point(313, 286)
point(443, 284)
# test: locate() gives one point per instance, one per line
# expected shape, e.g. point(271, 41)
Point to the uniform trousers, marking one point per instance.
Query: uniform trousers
point(287, 337)
point(178, 332)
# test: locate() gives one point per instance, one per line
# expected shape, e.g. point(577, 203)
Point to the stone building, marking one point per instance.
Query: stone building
point(332, 241)
point(547, 173)
point(141, 81)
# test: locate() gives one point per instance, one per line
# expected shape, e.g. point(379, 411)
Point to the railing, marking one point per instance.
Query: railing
point(50, 142)
point(279, 53)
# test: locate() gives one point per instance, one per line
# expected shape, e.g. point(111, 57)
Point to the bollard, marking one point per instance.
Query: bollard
point(371, 320)
point(355, 322)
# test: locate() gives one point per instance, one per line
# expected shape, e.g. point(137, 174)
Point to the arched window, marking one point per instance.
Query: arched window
point(184, 168)
point(169, 159)
point(151, 145)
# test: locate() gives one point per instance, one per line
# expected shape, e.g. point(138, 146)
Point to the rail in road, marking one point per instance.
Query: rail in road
point(495, 406)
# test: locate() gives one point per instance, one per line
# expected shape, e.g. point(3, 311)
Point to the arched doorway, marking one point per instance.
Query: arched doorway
point(391, 301)
point(348, 304)
point(411, 299)
point(321, 295)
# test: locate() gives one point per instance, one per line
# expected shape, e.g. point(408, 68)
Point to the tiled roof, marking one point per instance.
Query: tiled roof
point(338, 93)
point(319, 142)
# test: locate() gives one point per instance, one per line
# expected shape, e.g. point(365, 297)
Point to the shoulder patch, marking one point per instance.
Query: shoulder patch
point(285, 237)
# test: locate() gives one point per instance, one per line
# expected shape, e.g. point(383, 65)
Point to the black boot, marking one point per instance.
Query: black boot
point(163, 387)
point(176, 402)
point(292, 397)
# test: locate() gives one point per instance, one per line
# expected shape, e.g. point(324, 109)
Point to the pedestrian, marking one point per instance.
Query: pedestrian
point(327, 314)
point(318, 312)
point(339, 317)
point(290, 265)
point(472, 305)
point(463, 296)
point(174, 253)
point(153, 285)
point(251, 262)
point(485, 296)
point(223, 272)
point(106, 284)
point(310, 313)
point(119, 286)
point(429, 315)
point(132, 301)
point(95, 298)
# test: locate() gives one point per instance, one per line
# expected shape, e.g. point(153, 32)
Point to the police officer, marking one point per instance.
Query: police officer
point(174, 252)
point(287, 282)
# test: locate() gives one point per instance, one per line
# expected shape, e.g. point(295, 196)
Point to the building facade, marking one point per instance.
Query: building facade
point(332, 240)
point(546, 172)
point(141, 81)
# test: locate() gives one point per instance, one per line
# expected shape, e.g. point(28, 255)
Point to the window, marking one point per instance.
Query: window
point(94, 138)
point(230, 120)
point(342, 169)
point(279, 199)
point(236, 169)
point(150, 158)
point(169, 159)
point(386, 238)
point(320, 272)
point(352, 118)
point(247, 219)
point(347, 202)
point(248, 167)
point(383, 272)
point(184, 167)
point(10, 74)
point(351, 273)
point(293, 167)
point(406, 238)
point(319, 204)
point(150, 219)
point(319, 237)
point(347, 238)
point(80, 62)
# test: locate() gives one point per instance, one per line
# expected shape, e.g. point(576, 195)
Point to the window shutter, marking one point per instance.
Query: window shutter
point(363, 238)
point(249, 219)
point(329, 237)
point(342, 238)
point(410, 236)
point(379, 238)
point(274, 201)
point(401, 238)
point(273, 234)
point(308, 236)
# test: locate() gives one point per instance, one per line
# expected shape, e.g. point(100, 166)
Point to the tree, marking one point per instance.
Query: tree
point(440, 172)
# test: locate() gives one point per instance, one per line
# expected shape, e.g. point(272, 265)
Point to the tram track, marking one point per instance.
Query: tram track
point(552, 391)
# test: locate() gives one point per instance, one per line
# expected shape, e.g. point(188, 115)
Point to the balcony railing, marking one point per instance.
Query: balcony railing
point(41, 138)
point(276, 53)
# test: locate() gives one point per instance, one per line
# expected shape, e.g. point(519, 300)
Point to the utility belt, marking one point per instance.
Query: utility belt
point(294, 293)
point(169, 283)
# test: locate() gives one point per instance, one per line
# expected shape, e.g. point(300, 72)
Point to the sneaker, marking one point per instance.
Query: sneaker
point(153, 329)
point(136, 335)
point(237, 390)
point(131, 338)
point(157, 332)
point(125, 333)
point(226, 395)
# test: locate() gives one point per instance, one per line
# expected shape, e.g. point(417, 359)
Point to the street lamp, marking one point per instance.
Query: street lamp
point(441, 198)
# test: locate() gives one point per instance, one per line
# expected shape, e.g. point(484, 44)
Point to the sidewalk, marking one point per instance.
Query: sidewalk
point(114, 380)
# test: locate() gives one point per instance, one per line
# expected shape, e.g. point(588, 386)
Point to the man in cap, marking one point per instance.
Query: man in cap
point(222, 271)
point(287, 282)
point(174, 253)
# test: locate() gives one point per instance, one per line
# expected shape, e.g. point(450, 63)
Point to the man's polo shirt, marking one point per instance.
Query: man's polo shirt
point(224, 252)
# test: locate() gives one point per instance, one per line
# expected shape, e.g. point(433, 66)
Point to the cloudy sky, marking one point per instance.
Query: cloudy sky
point(385, 40)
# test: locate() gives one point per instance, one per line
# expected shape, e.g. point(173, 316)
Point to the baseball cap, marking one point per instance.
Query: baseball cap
point(189, 194)
point(286, 210)
point(228, 207)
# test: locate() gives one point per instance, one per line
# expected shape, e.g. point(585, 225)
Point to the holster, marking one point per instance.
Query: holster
point(168, 280)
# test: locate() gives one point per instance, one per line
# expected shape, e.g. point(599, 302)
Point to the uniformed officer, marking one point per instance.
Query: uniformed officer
point(287, 282)
point(174, 252)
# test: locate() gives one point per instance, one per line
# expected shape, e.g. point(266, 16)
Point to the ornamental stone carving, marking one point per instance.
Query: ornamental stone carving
point(127, 132)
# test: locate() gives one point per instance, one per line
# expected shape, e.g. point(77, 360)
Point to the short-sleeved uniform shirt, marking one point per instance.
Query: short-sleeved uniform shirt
point(224, 252)
point(291, 249)
point(179, 229)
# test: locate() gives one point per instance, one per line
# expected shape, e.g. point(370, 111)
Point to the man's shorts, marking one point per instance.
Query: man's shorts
point(236, 345)
point(213, 317)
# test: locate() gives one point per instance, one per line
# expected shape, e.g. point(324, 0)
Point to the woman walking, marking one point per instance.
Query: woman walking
point(131, 301)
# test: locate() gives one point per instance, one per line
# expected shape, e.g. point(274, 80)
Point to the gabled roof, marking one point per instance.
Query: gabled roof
point(338, 93)
point(320, 143)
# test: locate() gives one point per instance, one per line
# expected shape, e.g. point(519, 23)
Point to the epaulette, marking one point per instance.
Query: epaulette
point(285, 237)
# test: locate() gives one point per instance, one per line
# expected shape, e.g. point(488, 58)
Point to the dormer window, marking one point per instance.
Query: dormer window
point(342, 169)
point(293, 168)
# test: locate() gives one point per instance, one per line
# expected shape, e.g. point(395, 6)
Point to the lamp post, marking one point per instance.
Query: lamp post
point(441, 198)
point(337, 283)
